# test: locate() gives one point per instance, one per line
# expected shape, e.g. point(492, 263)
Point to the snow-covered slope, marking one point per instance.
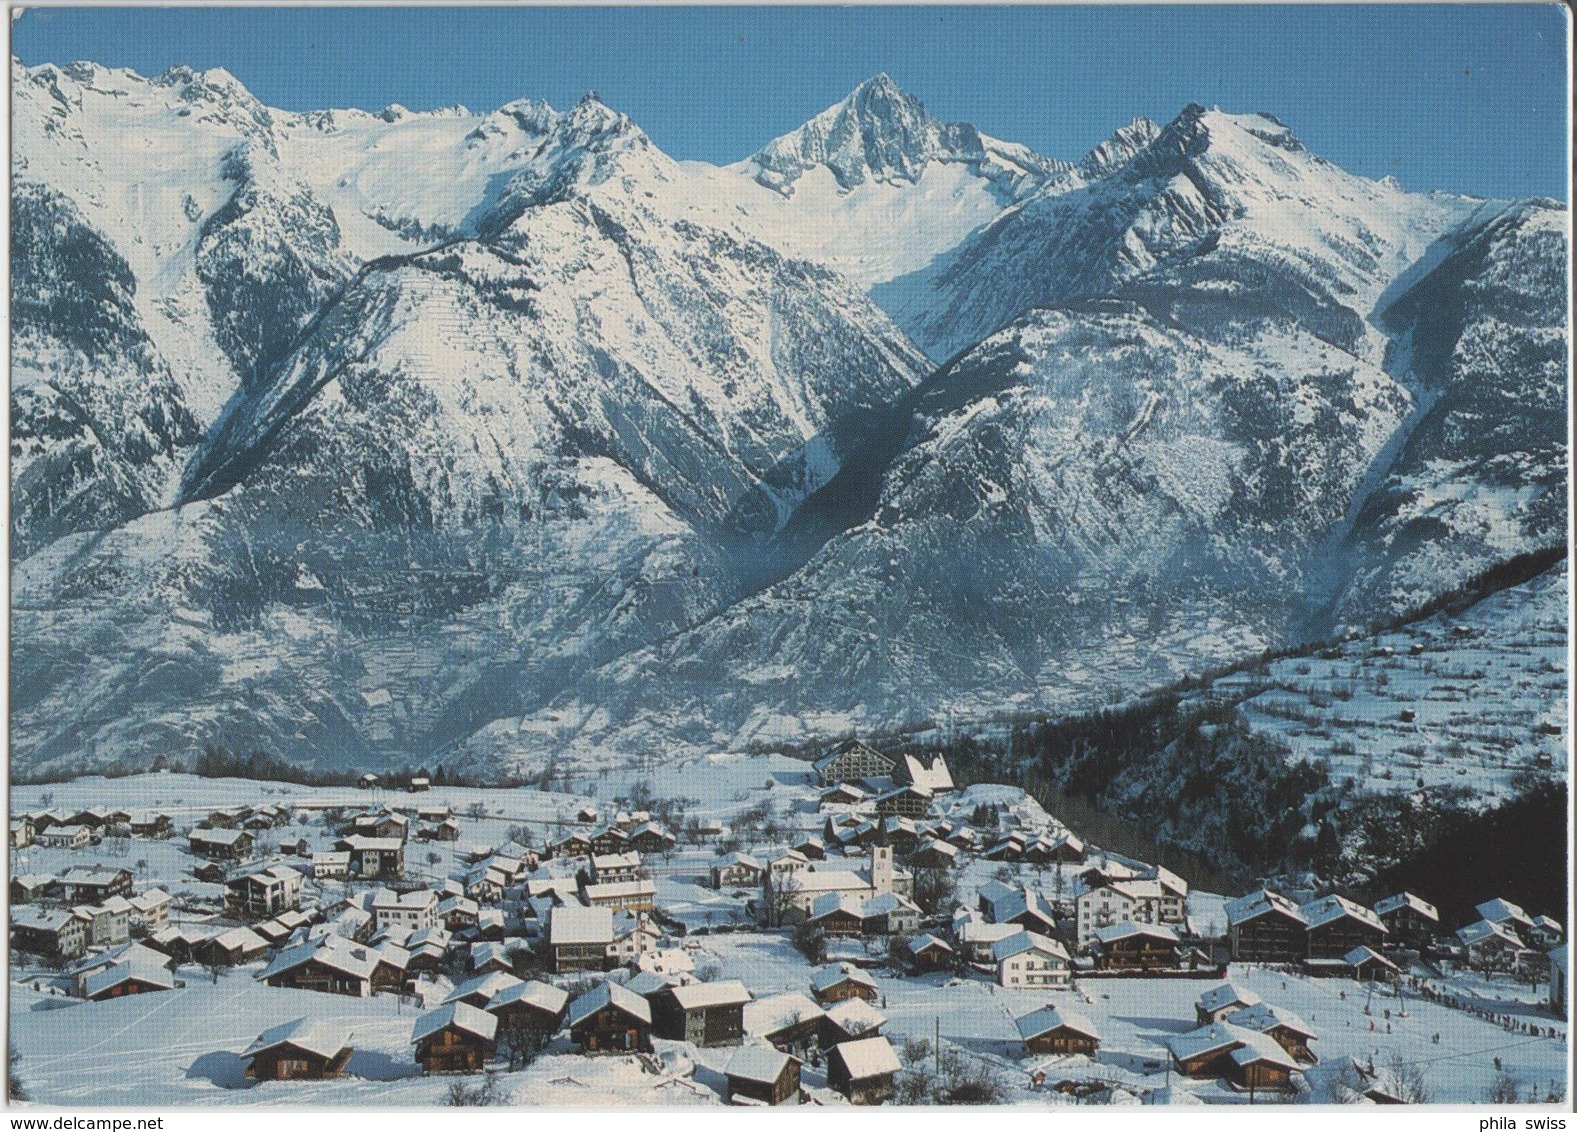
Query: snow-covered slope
point(1481, 331)
point(1229, 208)
point(473, 471)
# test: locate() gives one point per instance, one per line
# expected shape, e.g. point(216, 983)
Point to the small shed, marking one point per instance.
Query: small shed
point(762, 1075)
point(455, 1038)
point(864, 1071)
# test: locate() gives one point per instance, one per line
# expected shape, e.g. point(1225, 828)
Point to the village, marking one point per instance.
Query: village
point(850, 931)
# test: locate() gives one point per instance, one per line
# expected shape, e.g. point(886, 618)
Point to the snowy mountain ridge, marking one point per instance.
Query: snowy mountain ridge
point(567, 449)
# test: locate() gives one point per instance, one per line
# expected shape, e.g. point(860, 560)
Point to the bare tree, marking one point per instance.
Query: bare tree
point(1503, 1091)
point(779, 887)
point(1408, 1080)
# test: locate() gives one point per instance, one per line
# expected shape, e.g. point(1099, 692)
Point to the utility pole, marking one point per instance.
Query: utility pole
point(936, 1046)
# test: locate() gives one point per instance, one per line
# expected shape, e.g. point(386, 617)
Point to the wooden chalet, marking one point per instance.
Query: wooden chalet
point(850, 1020)
point(1219, 1001)
point(650, 837)
point(609, 839)
point(1288, 1030)
point(479, 990)
point(54, 933)
point(929, 952)
point(762, 1075)
point(1052, 1030)
point(151, 823)
point(611, 1019)
point(837, 915)
point(1130, 946)
point(221, 844)
point(1336, 925)
point(529, 1007)
point(454, 1038)
point(332, 965)
point(838, 981)
point(1266, 927)
point(93, 884)
point(64, 836)
point(1410, 921)
point(865, 1071)
point(704, 1014)
point(1369, 966)
point(131, 976)
point(790, 1022)
point(29, 888)
point(1247, 1059)
point(306, 1049)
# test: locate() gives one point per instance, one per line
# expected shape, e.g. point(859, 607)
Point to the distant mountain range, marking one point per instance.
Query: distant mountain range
point(506, 439)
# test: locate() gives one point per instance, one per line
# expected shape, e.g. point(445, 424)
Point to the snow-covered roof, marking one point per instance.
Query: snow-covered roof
point(1263, 1017)
point(1360, 955)
point(695, 996)
point(92, 874)
point(1049, 1018)
point(218, 836)
point(1216, 1036)
point(571, 924)
point(736, 859)
point(389, 900)
point(831, 903)
point(488, 985)
point(1022, 941)
point(648, 983)
point(1548, 923)
point(1482, 930)
point(152, 898)
point(1261, 1049)
point(1498, 911)
point(543, 996)
point(1126, 929)
point(1227, 994)
point(1329, 909)
point(867, 1057)
point(613, 890)
point(459, 1015)
point(358, 843)
point(758, 1063)
point(145, 970)
point(609, 994)
point(769, 1015)
point(824, 978)
point(1406, 899)
point(1256, 904)
point(331, 951)
point(321, 1036)
point(855, 1016)
point(885, 902)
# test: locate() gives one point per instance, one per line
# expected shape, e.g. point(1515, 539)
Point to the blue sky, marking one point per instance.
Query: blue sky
point(1469, 98)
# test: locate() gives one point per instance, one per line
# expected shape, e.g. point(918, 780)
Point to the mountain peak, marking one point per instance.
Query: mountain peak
point(878, 132)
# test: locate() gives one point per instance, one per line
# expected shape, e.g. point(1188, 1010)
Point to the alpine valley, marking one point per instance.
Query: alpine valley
point(509, 442)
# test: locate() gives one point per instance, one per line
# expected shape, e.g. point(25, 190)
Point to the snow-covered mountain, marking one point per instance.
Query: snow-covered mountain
point(366, 437)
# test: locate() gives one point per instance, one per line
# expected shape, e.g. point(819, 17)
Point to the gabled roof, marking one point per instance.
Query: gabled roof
point(143, 970)
point(1049, 1018)
point(762, 1064)
point(648, 983)
point(1262, 1018)
point(609, 994)
point(928, 942)
point(736, 858)
point(543, 996)
point(1329, 909)
point(488, 985)
point(1021, 941)
point(1261, 1049)
point(1225, 995)
point(315, 1035)
point(1360, 955)
point(1407, 900)
point(825, 978)
point(847, 746)
point(459, 1015)
point(1205, 1039)
point(767, 1016)
point(1482, 930)
point(1257, 904)
point(1127, 929)
point(867, 1057)
point(695, 996)
point(1498, 911)
point(218, 836)
point(331, 951)
point(831, 903)
point(855, 1016)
